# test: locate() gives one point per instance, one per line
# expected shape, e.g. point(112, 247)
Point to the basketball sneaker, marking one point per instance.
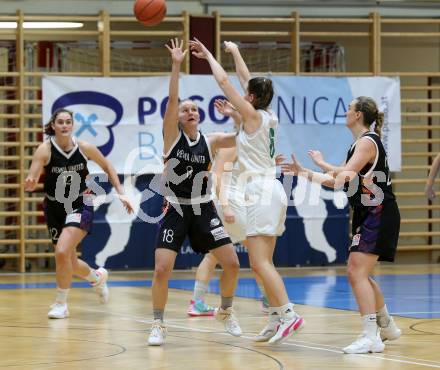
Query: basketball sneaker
point(286, 328)
point(268, 331)
point(227, 317)
point(364, 344)
point(200, 308)
point(58, 311)
point(101, 287)
point(390, 332)
point(157, 334)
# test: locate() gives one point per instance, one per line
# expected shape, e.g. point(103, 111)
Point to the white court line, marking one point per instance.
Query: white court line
point(308, 345)
point(413, 313)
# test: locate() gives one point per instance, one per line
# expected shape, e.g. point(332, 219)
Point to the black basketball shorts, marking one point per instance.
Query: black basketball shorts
point(204, 229)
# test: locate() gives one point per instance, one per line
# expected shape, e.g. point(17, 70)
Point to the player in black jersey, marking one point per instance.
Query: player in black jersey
point(365, 177)
point(190, 211)
point(68, 215)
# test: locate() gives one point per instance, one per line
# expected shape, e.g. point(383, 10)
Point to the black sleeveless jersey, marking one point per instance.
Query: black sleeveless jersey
point(65, 170)
point(372, 185)
point(187, 166)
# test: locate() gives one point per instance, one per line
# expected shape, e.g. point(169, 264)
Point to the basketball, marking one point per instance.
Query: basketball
point(150, 12)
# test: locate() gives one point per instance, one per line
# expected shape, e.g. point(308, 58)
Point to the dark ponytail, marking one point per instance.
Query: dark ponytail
point(262, 89)
point(370, 112)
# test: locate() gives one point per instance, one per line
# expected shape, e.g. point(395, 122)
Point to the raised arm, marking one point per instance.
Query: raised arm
point(171, 118)
point(93, 153)
point(39, 160)
point(247, 111)
point(241, 68)
point(433, 172)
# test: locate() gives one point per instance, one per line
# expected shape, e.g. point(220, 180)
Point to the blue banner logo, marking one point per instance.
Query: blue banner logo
point(92, 98)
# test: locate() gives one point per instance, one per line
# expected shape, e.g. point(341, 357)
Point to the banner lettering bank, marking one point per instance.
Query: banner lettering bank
point(123, 118)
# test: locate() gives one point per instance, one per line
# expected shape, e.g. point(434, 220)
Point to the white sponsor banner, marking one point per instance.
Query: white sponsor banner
point(123, 116)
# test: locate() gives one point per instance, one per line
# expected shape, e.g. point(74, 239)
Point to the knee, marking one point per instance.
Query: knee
point(162, 272)
point(62, 255)
point(256, 267)
point(232, 266)
point(352, 274)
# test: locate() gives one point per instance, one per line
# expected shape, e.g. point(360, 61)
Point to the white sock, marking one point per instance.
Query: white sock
point(370, 325)
point(93, 277)
point(274, 314)
point(383, 317)
point(61, 296)
point(200, 289)
point(286, 311)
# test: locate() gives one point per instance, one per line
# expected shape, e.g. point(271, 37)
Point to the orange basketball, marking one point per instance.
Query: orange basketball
point(150, 12)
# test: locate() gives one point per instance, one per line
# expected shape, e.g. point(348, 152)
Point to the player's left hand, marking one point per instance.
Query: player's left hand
point(279, 159)
point(198, 49)
point(224, 107)
point(293, 168)
point(127, 205)
point(228, 214)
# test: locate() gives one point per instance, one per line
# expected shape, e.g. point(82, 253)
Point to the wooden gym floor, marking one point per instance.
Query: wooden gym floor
point(114, 336)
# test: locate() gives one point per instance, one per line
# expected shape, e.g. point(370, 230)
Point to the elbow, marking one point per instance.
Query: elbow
point(223, 82)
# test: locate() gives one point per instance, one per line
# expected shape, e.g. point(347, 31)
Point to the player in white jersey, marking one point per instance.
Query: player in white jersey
point(265, 199)
point(233, 215)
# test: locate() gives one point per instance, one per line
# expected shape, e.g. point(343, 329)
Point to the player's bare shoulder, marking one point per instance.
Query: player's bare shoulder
point(43, 150)
point(86, 148)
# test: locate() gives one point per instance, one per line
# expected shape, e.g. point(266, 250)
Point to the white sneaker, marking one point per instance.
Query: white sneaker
point(365, 344)
point(157, 334)
point(286, 328)
point(229, 320)
point(101, 287)
point(58, 311)
point(390, 332)
point(268, 331)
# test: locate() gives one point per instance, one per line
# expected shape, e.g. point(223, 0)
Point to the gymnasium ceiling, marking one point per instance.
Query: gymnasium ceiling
point(398, 8)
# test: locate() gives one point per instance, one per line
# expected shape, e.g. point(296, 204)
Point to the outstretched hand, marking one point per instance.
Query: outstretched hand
point(430, 192)
point(293, 168)
point(228, 215)
point(176, 51)
point(126, 203)
point(230, 47)
point(198, 49)
point(224, 107)
point(30, 183)
point(279, 159)
point(316, 157)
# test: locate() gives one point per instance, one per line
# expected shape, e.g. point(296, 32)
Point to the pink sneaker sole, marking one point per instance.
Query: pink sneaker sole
point(198, 314)
point(295, 327)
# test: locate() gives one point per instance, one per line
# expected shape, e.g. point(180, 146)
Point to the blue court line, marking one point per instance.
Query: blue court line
point(416, 296)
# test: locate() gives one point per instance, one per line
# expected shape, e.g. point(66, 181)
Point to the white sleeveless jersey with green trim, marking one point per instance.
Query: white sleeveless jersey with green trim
point(256, 151)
